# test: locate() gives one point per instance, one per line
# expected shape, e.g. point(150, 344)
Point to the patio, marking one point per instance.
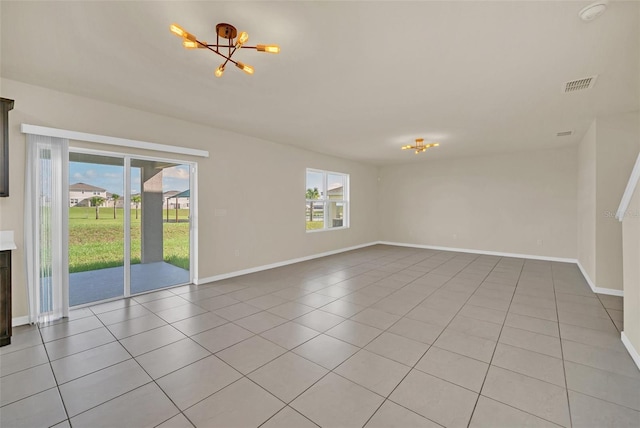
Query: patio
point(96, 285)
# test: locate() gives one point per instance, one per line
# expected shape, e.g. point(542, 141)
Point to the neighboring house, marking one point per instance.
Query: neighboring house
point(80, 195)
point(336, 192)
point(169, 197)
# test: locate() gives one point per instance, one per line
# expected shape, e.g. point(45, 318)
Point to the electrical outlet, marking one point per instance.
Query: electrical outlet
point(237, 253)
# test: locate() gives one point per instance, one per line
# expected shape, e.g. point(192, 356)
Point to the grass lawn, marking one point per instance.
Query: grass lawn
point(318, 220)
point(315, 225)
point(98, 244)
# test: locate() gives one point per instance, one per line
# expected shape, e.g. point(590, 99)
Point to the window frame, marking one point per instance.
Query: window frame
point(325, 201)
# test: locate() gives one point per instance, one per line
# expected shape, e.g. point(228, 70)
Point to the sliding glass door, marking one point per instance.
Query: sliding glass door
point(96, 228)
point(160, 231)
point(129, 225)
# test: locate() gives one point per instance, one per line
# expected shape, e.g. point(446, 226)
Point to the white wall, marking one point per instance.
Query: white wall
point(631, 258)
point(606, 156)
point(504, 203)
point(617, 140)
point(587, 202)
point(259, 183)
point(631, 268)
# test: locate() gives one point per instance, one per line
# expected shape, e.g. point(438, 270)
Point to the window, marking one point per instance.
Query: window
point(327, 200)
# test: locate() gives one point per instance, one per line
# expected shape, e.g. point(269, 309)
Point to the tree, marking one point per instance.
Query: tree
point(312, 194)
point(114, 198)
point(136, 199)
point(96, 201)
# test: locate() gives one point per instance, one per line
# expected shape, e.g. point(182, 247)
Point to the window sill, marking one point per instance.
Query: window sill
point(327, 230)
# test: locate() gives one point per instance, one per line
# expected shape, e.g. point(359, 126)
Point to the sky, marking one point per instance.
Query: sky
point(314, 179)
point(111, 177)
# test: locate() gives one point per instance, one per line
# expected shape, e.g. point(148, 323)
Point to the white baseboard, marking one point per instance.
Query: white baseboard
point(488, 253)
point(17, 321)
point(631, 349)
point(279, 264)
point(596, 289)
point(609, 291)
point(586, 277)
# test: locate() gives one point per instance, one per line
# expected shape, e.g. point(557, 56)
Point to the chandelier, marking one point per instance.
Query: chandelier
point(420, 146)
point(226, 48)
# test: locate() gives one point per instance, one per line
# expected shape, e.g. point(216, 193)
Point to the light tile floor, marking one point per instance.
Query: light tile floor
point(379, 337)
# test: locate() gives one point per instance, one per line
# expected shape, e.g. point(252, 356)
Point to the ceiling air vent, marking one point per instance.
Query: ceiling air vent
point(564, 133)
point(579, 84)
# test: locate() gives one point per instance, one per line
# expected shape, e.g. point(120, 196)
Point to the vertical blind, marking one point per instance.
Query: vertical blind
point(45, 227)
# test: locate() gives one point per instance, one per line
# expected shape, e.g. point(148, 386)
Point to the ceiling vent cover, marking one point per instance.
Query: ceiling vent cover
point(579, 84)
point(564, 133)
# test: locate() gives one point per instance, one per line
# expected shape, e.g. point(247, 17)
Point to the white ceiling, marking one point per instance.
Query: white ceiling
point(354, 79)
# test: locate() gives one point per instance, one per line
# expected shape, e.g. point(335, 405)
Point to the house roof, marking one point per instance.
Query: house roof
point(335, 189)
point(78, 187)
point(183, 194)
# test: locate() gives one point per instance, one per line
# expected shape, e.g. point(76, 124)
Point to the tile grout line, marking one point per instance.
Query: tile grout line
point(564, 369)
point(287, 407)
point(497, 341)
point(608, 314)
point(55, 378)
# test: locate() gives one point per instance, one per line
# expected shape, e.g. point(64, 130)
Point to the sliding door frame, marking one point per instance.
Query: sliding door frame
point(193, 216)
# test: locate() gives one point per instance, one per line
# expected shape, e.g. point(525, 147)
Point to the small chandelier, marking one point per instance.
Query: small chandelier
point(420, 146)
point(232, 42)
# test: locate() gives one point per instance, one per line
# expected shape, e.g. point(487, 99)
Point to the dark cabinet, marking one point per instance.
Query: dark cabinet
point(5, 298)
point(5, 105)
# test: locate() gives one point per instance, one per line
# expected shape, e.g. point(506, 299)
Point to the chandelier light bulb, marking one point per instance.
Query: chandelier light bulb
point(244, 67)
point(219, 71)
point(188, 44)
point(242, 39)
point(177, 30)
point(268, 48)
